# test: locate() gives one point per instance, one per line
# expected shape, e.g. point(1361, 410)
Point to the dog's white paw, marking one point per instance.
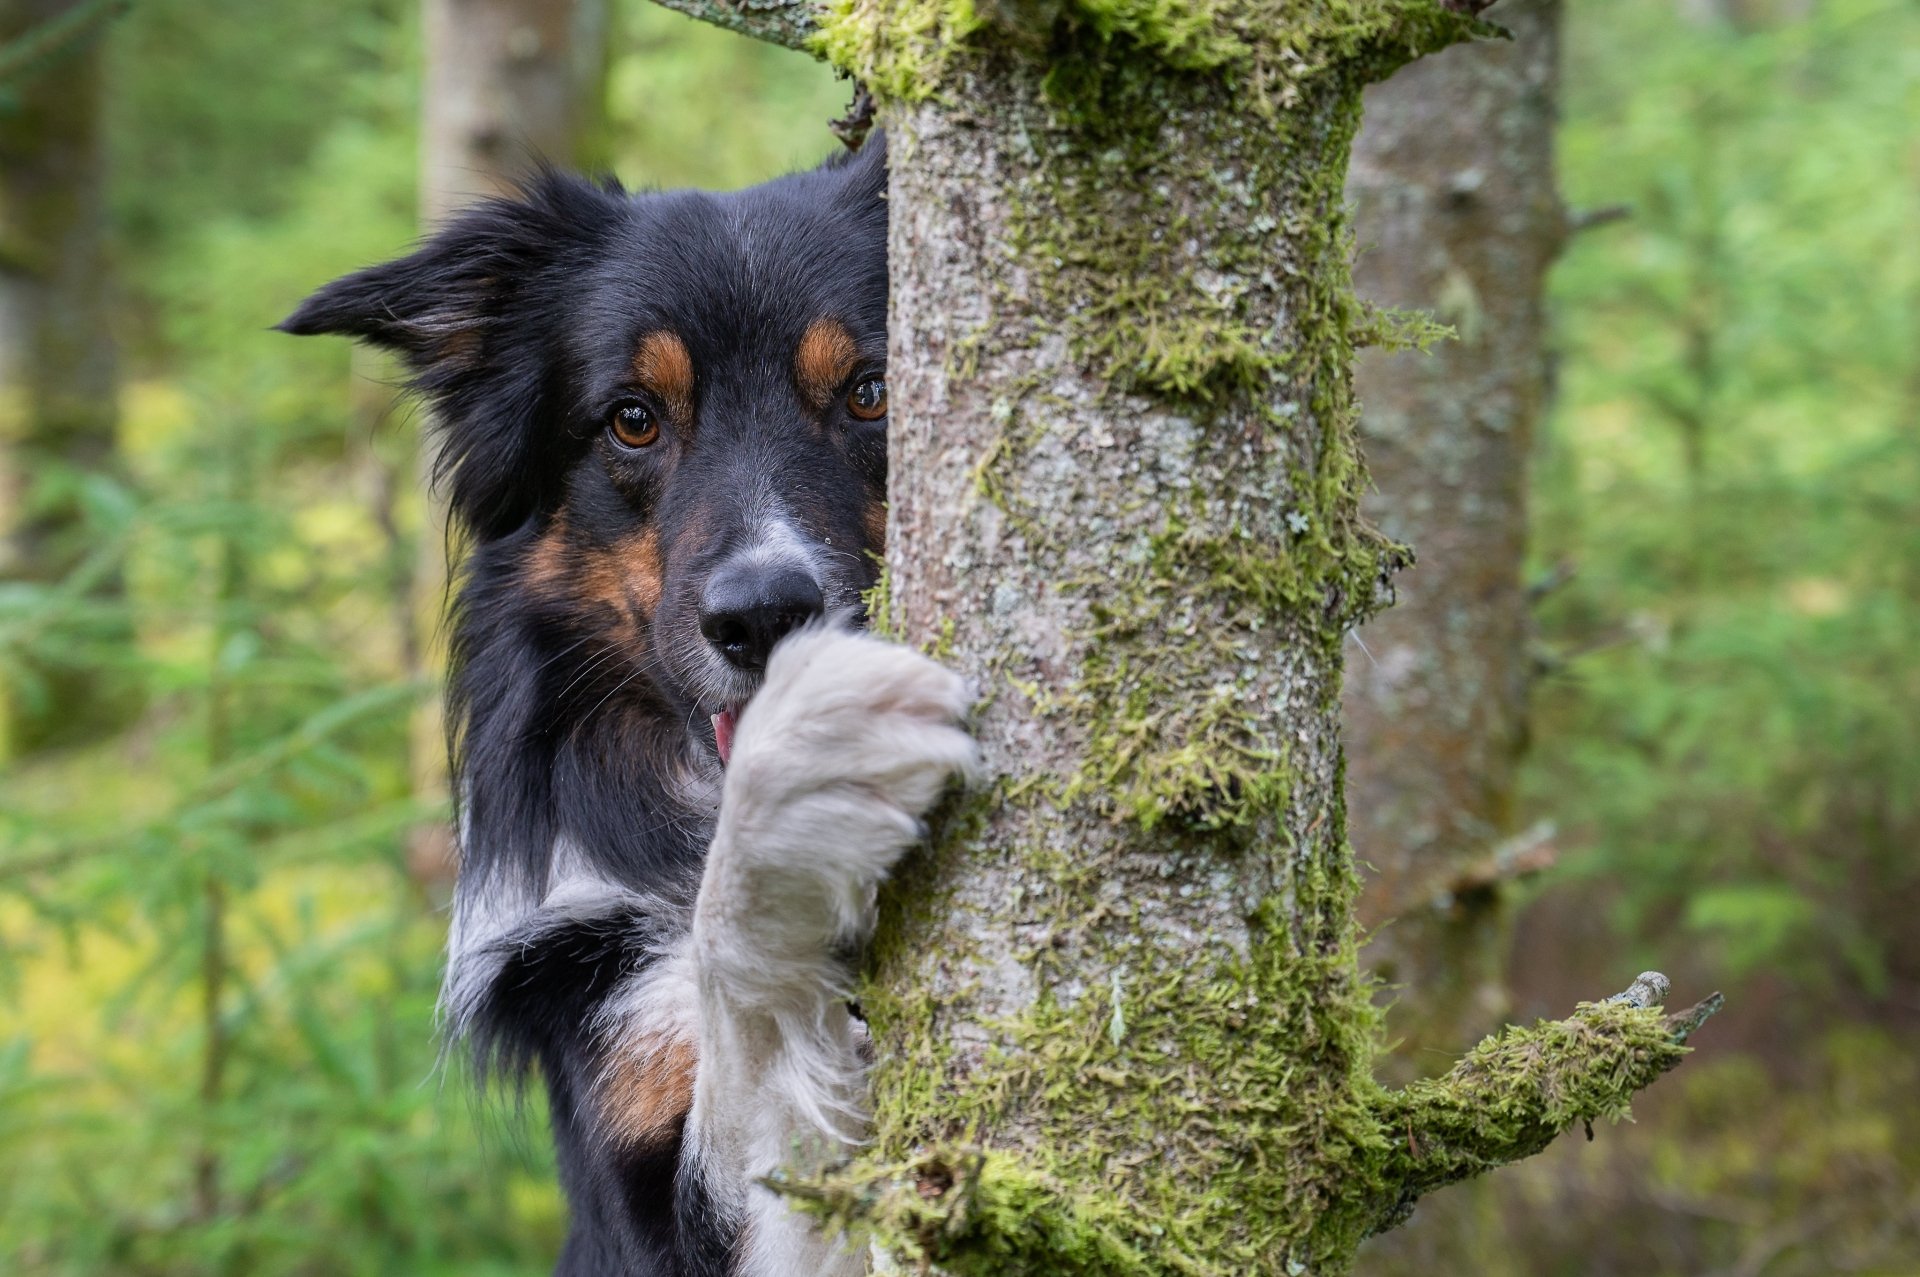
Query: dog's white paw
point(847, 744)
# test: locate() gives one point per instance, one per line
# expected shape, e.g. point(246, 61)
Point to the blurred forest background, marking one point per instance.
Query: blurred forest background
point(220, 924)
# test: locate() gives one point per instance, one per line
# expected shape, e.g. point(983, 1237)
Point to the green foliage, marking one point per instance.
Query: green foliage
point(1735, 471)
point(1728, 730)
point(691, 106)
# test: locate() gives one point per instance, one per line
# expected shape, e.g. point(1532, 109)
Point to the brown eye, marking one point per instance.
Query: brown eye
point(633, 425)
point(868, 401)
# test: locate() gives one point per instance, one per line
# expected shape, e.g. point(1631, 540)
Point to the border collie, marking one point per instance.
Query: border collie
point(682, 770)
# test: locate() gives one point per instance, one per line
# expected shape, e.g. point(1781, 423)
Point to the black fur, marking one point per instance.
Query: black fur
point(580, 709)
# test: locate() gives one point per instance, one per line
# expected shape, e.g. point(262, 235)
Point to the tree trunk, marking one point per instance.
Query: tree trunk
point(57, 377)
point(509, 83)
point(1112, 966)
point(1119, 1021)
point(1456, 213)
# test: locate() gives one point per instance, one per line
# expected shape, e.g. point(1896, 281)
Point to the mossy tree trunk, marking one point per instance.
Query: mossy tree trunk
point(1118, 1013)
point(508, 83)
point(1456, 212)
point(57, 362)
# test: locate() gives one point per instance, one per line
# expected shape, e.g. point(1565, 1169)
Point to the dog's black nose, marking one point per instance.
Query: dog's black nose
point(747, 609)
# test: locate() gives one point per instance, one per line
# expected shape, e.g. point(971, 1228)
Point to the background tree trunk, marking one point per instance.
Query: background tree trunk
point(508, 83)
point(57, 375)
point(1456, 213)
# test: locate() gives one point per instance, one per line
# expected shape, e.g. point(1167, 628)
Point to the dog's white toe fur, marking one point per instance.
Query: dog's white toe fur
point(847, 744)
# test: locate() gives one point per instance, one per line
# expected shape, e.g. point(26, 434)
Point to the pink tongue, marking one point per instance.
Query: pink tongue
point(723, 734)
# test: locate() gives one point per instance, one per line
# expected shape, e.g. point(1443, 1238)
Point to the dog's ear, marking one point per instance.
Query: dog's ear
point(476, 314)
point(866, 171)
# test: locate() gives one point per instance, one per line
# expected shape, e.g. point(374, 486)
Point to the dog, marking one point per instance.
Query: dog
point(682, 766)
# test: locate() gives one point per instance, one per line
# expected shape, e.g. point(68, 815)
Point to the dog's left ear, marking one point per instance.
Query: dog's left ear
point(474, 313)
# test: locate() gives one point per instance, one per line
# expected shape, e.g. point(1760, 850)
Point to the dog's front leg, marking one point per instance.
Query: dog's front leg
point(847, 744)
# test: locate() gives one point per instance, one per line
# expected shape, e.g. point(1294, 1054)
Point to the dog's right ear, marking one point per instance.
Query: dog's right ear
point(473, 314)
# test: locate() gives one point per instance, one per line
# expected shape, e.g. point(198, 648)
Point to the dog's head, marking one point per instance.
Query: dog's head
point(662, 416)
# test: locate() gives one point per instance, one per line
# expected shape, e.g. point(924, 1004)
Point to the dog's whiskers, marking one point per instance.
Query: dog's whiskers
point(608, 651)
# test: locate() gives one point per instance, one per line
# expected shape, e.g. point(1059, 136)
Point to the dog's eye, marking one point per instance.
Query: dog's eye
point(869, 399)
point(633, 425)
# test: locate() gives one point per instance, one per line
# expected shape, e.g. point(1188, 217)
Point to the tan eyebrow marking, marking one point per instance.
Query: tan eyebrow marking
point(824, 359)
point(662, 365)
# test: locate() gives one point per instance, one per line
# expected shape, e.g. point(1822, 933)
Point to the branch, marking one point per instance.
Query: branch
point(973, 1212)
point(1516, 1092)
point(32, 51)
point(793, 23)
point(853, 127)
point(1530, 852)
point(1586, 219)
point(785, 22)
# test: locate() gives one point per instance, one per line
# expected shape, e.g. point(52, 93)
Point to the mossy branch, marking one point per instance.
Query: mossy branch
point(790, 23)
point(1521, 1089)
point(1199, 38)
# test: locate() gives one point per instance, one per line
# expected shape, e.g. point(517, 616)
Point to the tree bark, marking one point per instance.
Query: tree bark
point(57, 366)
point(509, 84)
point(1118, 1017)
point(1456, 213)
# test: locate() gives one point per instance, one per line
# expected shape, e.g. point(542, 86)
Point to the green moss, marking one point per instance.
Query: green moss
point(1516, 1092)
point(1255, 1119)
point(1394, 328)
point(904, 49)
point(1242, 1068)
point(976, 1214)
point(877, 600)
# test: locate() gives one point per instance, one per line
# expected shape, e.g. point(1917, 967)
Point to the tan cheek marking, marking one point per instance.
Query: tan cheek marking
point(824, 359)
point(546, 563)
point(648, 1090)
point(662, 365)
point(641, 555)
point(624, 578)
point(873, 521)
